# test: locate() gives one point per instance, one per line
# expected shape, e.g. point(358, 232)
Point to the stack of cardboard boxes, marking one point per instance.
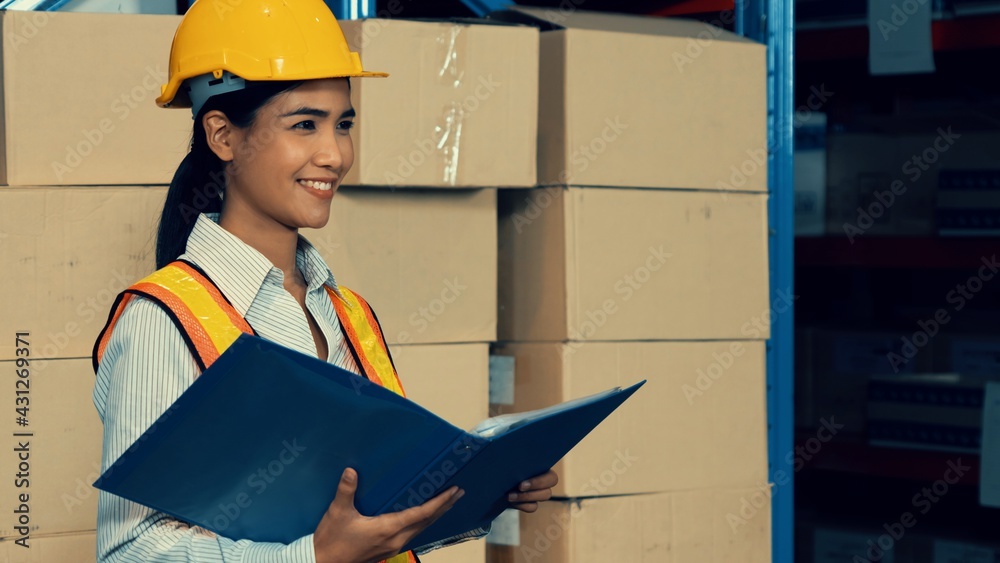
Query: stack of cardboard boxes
point(643, 255)
point(85, 160)
point(84, 154)
point(416, 231)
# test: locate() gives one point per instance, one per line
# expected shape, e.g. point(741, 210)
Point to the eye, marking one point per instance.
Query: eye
point(345, 125)
point(308, 125)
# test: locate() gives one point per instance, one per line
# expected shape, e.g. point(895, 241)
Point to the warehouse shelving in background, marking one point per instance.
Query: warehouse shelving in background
point(867, 295)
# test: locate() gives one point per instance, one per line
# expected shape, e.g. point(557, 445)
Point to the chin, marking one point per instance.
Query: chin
point(314, 221)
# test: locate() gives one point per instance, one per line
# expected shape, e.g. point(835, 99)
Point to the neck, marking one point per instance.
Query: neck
point(275, 241)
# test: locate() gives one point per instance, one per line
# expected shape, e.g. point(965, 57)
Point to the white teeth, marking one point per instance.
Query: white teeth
point(323, 186)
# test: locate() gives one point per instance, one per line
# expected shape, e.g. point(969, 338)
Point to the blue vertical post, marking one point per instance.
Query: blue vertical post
point(352, 9)
point(772, 22)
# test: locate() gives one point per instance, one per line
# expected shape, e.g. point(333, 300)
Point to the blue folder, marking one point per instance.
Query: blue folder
point(255, 447)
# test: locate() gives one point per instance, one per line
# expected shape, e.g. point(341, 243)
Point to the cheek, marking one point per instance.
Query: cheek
point(346, 146)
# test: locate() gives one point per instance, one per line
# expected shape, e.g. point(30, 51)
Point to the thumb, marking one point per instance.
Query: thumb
point(346, 489)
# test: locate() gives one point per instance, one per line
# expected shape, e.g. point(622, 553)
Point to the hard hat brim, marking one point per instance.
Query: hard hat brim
point(169, 97)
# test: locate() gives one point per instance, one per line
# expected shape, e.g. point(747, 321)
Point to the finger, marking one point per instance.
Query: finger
point(546, 480)
point(447, 506)
point(346, 488)
point(530, 496)
point(415, 527)
point(528, 507)
point(418, 514)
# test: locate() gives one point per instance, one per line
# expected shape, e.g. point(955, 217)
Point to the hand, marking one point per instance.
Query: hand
point(345, 536)
point(532, 491)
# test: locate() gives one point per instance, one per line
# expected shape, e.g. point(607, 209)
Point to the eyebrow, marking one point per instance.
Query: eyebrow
point(320, 113)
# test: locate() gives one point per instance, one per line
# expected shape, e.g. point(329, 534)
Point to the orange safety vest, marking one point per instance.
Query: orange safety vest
point(209, 324)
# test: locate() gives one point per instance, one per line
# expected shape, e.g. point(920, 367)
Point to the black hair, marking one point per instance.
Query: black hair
point(200, 178)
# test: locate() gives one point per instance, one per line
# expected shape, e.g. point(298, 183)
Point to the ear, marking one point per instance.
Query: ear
point(220, 134)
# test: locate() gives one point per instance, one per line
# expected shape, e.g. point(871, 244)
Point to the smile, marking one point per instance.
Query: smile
point(322, 186)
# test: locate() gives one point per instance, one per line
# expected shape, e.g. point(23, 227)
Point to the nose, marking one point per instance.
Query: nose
point(329, 153)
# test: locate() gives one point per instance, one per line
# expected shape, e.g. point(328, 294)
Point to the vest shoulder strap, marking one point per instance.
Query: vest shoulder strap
point(205, 318)
point(209, 323)
point(364, 335)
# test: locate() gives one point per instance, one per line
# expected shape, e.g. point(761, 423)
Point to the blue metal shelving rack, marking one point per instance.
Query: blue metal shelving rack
point(352, 9)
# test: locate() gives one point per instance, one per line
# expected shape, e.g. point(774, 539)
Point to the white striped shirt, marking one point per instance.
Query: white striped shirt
point(147, 365)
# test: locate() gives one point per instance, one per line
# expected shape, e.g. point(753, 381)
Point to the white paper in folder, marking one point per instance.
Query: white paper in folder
point(506, 529)
point(989, 470)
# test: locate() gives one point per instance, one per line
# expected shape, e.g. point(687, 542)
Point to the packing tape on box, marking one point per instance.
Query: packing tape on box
point(449, 129)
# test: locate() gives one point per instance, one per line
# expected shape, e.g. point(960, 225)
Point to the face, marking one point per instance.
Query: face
point(286, 167)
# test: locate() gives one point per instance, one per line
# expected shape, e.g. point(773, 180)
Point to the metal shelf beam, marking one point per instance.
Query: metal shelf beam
point(483, 7)
point(352, 9)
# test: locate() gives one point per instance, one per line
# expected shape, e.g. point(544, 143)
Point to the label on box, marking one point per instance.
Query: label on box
point(955, 552)
point(835, 546)
point(975, 357)
point(868, 355)
point(501, 380)
point(506, 529)
point(900, 46)
point(989, 464)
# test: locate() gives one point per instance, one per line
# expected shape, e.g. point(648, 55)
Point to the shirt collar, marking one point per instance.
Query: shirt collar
point(240, 269)
point(313, 266)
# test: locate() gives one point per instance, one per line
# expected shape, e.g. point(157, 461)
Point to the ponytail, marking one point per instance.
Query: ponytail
point(200, 180)
point(197, 187)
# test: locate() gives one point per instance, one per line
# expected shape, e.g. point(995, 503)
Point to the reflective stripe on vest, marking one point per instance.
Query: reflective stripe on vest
point(206, 319)
point(209, 324)
point(363, 332)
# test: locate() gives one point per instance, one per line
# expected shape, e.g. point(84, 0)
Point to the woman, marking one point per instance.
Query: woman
point(268, 86)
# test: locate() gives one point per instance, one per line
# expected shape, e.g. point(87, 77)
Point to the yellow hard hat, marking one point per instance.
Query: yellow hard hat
point(227, 42)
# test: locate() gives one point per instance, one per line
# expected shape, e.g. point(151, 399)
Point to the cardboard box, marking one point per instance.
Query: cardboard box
point(833, 368)
point(834, 545)
point(974, 355)
point(424, 259)
point(67, 253)
point(458, 109)
point(861, 165)
point(927, 411)
point(968, 202)
point(617, 264)
point(81, 123)
point(473, 94)
point(705, 399)
point(886, 184)
point(450, 380)
point(75, 548)
point(473, 551)
point(122, 6)
point(945, 549)
point(731, 525)
point(611, 114)
point(63, 451)
point(810, 175)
